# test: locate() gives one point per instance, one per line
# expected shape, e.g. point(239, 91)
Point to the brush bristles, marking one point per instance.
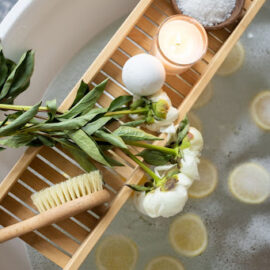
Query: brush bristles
point(66, 191)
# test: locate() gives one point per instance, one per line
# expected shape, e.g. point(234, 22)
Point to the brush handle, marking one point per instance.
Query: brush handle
point(54, 215)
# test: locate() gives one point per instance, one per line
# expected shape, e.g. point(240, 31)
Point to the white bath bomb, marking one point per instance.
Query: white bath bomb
point(143, 74)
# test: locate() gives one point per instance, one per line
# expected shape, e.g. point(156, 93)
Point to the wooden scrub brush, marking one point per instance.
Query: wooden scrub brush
point(59, 202)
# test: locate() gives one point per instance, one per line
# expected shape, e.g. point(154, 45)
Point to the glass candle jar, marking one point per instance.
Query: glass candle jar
point(180, 42)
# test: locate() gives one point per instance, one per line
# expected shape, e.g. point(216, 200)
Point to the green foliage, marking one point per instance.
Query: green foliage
point(155, 157)
point(134, 134)
point(14, 79)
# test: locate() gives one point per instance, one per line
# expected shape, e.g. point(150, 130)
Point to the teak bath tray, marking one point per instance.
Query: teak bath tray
point(68, 243)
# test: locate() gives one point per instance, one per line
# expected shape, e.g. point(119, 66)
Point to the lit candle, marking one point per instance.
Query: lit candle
point(180, 42)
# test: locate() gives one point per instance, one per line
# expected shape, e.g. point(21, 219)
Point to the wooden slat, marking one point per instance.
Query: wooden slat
point(35, 241)
point(60, 162)
point(16, 171)
point(46, 171)
point(114, 89)
point(119, 58)
point(119, 170)
point(200, 66)
point(178, 84)
point(50, 232)
point(175, 98)
point(114, 71)
point(221, 34)
point(164, 6)
point(190, 76)
point(213, 43)
point(208, 56)
point(141, 39)
point(148, 27)
point(105, 100)
point(155, 16)
point(87, 220)
point(72, 170)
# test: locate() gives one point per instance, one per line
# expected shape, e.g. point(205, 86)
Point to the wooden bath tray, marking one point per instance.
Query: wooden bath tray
point(67, 243)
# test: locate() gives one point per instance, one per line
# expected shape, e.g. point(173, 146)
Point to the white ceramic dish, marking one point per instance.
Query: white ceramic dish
point(56, 30)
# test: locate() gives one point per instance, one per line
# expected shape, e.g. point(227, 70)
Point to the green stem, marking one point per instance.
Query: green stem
point(20, 108)
point(45, 109)
point(143, 166)
point(138, 111)
point(163, 149)
point(8, 122)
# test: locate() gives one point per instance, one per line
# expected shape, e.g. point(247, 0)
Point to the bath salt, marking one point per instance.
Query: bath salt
point(207, 12)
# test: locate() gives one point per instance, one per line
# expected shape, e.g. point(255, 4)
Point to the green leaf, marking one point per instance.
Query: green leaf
point(138, 103)
point(19, 122)
point(46, 141)
point(92, 127)
point(155, 157)
point(5, 121)
point(3, 67)
point(67, 124)
point(83, 89)
point(119, 102)
point(17, 141)
point(112, 162)
point(88, 146)
point(81, 157)
point(185, 143)
point(86, 103)
point(111, 138)
point(15, 115)
point(134, 134)
point(139, 188)
point(11, 65)
point(182, 130)
point(134, 123)
point(52, 108)
point(19, 79)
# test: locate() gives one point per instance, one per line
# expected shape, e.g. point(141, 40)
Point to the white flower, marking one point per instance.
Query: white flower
point(189, 164)
point(184, 180)
point(196, 143)
point(161, 170)
point(166, 124)
point(159, 203)
point(160, 95)
point(157, 126)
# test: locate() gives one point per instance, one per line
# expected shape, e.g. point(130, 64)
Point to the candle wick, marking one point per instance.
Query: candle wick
point(178, 41)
